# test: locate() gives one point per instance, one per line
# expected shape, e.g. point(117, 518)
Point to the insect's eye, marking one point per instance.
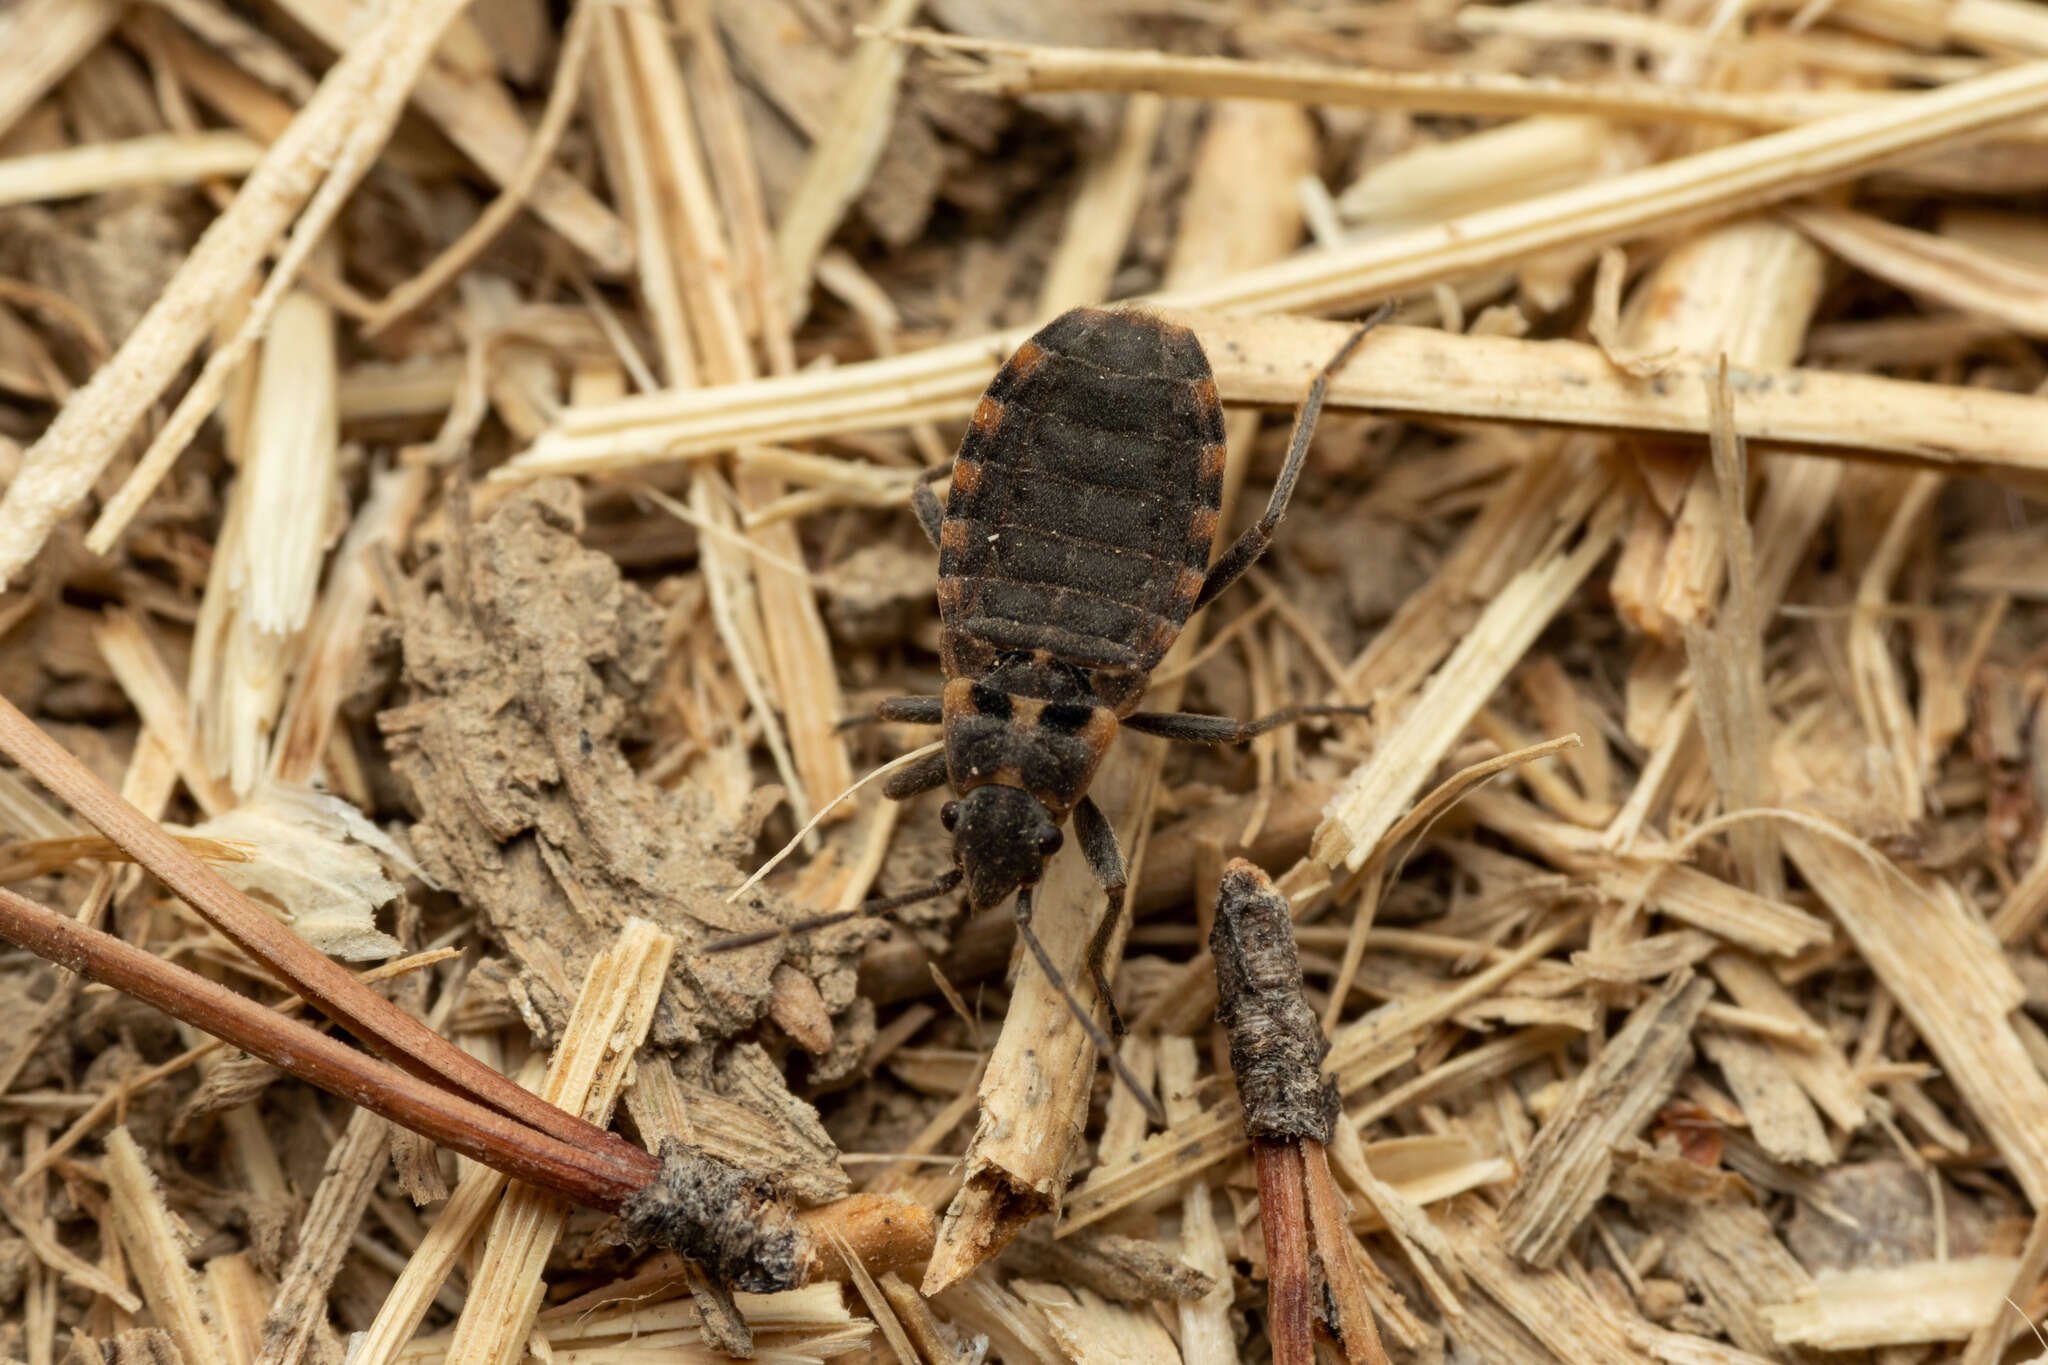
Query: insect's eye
point(949, 814)
point(1049, 842)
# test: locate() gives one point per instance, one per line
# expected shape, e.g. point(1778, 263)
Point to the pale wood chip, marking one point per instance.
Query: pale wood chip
point(1571, 1162)
point(588, 1072)
point(1541, 1307)
point(1781, 1117)
point(1943, 967)
point(158, 1246)
point(1852, 1310)
point(353, 1169)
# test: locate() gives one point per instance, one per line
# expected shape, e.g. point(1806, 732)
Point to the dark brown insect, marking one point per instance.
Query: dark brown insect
point(1073, 548)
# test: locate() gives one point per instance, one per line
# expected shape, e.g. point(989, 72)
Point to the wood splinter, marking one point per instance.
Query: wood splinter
point(1290, 1114)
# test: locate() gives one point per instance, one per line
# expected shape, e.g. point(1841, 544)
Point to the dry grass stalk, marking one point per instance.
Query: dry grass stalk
point(164, 159)
point(299, 1309)
point(1099, 219)
point(1205, 1337)
point(327, 654)
point(45, 39)
point(479, 116)
point(1647, 875)
point(533, 164)
point(266, 567)
point(586, 1076)
point(694, 224)
point(124, 641)
point(1022, 68)
point(842, 160)
point(1983, 283)
point(357, 102)
point(1687, 189)
point(353, 153)
point(1401, 838)
point(1373, 799)
point(1427, 373)
point(802, 1325)
point(59, 1260)
point(158, 1248)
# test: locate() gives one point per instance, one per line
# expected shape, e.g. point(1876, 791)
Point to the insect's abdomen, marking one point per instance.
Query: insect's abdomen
point(1085, 499)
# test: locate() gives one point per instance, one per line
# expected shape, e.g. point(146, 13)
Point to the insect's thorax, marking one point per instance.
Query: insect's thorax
point(1030, 726)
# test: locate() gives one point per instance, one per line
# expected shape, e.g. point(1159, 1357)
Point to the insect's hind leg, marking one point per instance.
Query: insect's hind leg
point(1106, 860)
point(1186, 727)
point(1249, 546)
point(925, 503)
point(1103, 1046)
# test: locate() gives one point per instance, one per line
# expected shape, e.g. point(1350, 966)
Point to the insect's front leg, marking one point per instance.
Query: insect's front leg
point(1103, 1047)
point(1106, 860)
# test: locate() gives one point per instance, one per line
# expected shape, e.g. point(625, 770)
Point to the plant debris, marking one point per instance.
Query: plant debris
point(456, 467)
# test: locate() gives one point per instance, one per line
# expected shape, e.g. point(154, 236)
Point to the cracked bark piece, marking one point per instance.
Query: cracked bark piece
point(525, 658)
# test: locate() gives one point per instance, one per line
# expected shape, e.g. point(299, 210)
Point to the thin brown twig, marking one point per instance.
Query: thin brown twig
point(383, 1027)
point(586, 1175)
point(116, 1096)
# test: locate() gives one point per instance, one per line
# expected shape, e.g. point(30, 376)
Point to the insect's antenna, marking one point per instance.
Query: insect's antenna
point(1103, 1047)
point(1312, 406)
point(879, 905)
point(891, 766)
point(2029, 1322)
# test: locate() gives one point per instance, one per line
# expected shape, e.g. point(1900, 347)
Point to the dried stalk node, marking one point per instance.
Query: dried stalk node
point(722, 1218)
point(1276, 1047)
point(1290, 1112)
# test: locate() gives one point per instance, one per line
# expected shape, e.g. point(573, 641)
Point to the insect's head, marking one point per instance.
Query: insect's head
point(1001, 839)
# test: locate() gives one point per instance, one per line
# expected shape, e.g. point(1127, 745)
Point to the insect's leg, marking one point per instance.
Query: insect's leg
point(1098, 845)
point(879, 905)
point(1103, 1047)
point(922, 776)
point(1188, 728)
point(1259, 535)
point(908, 710)
point(925, 503)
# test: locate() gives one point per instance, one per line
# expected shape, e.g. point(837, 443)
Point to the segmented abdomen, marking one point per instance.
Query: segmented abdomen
point(1085, 497)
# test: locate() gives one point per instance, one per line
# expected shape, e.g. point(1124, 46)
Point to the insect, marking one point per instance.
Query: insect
point(1074, 545)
